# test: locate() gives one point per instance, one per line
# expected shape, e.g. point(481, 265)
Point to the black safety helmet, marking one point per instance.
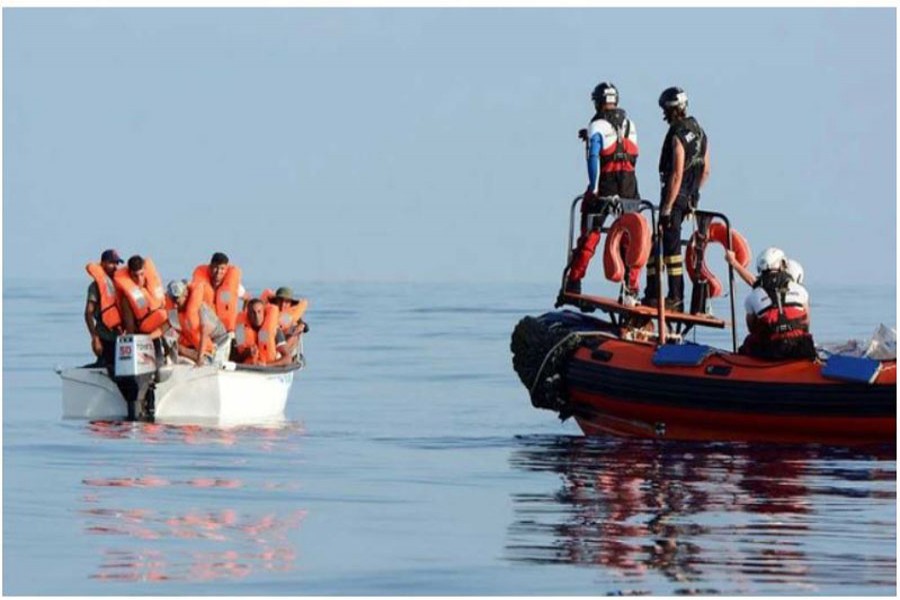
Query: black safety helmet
point(605, 93)
point(673, 97)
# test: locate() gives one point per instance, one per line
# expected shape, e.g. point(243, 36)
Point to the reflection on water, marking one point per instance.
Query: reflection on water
point(748, 519)
point(162, 528)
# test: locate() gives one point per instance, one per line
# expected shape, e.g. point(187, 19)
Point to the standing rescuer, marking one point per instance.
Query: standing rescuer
point(683, 169)
point(225, 290)
point(612, 151)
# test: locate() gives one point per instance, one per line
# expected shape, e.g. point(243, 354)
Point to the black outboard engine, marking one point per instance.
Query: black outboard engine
point(135, 373)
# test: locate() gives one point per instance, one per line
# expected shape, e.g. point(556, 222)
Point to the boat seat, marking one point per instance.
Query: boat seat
point(851, 368)
point(681, 355)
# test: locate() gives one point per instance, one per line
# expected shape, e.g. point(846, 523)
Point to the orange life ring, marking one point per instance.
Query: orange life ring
point(632, 230)
point(717, 233)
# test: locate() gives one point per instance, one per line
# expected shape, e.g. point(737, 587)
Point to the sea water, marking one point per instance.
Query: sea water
point(412, 463)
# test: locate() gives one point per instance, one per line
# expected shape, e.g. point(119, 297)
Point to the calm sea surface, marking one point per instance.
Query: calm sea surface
point(414, 464)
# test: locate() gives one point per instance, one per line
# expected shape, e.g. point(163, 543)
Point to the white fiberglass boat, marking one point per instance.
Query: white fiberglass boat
point(226, 394)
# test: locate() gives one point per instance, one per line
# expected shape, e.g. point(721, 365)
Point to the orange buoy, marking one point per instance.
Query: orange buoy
point(631, 233)
point(717, 232)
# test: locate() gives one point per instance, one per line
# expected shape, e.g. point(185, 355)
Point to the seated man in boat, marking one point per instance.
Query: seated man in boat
point(225, 290)
point(290, 319)
point(141, 298)
point(259, 340)
point(101, 309)
point(777, 313)
point(201, 334)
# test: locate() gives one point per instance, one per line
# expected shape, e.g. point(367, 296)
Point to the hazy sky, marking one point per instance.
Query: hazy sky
point(429, 144)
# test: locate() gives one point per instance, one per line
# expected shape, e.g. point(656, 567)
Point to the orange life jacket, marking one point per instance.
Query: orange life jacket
point(265, 340)
point(225, 297)
point(148, 302)
point(291, 315)
point(109, 307)
point(188, 321)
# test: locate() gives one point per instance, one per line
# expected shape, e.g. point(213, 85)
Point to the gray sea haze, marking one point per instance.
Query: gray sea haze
point(414, 464)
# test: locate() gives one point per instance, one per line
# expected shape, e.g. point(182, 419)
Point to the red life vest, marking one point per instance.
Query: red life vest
point(147, 303)
point(109, 306)
point(265, 339)
point(781, 320)
point(223, 298)
point(623, 155)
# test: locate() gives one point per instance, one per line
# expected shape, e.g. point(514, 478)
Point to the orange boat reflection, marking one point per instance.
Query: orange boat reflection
point(689, 512)
point(153, 543)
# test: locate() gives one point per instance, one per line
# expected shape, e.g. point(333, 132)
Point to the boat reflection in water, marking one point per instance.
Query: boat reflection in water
point(203, 523)
point(679, 518)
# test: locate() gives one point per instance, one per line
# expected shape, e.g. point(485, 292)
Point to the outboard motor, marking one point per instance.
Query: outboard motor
point(135, 374)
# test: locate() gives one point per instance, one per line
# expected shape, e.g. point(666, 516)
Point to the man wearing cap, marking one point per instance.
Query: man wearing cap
point(201, 334)
point(290, 319)
point(225, 289)
point(103, 327)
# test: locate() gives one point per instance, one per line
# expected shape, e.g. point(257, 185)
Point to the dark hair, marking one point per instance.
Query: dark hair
point(135, 263)
point(253, 302)
point(219, 258)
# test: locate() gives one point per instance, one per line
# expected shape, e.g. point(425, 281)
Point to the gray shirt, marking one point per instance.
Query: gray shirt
point(209, 319)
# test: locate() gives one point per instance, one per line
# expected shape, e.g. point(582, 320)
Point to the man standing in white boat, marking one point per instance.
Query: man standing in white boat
point(101, 309)
point(201, 335)
point(225, 292)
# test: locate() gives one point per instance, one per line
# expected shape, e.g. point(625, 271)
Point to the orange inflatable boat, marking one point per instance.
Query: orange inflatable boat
point(617, 375)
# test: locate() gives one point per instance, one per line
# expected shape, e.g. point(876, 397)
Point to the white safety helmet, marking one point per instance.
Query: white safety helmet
point(795, 270)
point(771, 259)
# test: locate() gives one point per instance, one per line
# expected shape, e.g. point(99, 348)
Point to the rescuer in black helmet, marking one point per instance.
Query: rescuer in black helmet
point(683, 169)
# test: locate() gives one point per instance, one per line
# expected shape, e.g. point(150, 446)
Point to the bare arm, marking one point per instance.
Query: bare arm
point(674, 184)
point(748, 277)
point(89, 308)
point(189, 353)
point(705, 175)
point(204, 338)
point(285, 359)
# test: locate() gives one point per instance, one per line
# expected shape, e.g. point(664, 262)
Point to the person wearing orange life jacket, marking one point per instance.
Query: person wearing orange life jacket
point(101, 309)
point(258, 339)
point(612, 152)
point(201, 335)
point(225, 289)
point(777, 312)
point(290, 319)
point(141, 298)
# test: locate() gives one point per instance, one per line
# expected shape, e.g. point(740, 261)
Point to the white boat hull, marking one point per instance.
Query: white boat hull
point(184, 394)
